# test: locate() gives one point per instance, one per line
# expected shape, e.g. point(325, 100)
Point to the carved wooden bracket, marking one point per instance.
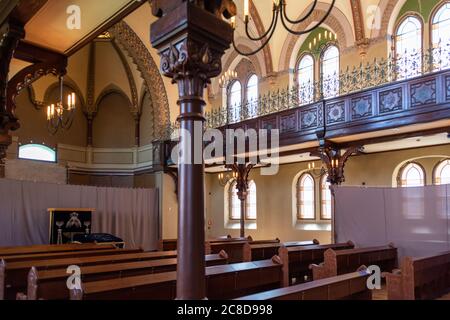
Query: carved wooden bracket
point(335, 161)
point(242, 170)
point(44, 62)
point(10, 35)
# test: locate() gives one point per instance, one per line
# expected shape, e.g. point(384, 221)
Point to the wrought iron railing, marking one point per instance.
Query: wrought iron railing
point(365, 76)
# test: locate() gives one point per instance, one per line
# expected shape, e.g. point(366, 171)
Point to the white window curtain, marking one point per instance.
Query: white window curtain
point(130, 214)
point(378, 216)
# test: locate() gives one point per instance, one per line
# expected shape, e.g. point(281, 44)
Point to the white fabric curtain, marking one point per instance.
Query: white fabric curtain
point(416, 220)
point(130, 214)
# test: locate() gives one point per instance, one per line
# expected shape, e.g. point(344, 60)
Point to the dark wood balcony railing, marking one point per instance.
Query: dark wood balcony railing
point(412, 88)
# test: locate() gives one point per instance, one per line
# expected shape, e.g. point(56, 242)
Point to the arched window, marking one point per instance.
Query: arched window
point(306, 79)
point(442, 173)
point(37, 152)
point(412, 175)
point(325, 199)
point(235, 100)
point(441, 37)
point(234, 204)
point(252, 95)
point(408, 46)
point(306, 198)
point(330, 72)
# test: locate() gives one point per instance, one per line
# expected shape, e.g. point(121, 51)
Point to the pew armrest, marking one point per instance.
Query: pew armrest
point(318, 271)
point(394, 284)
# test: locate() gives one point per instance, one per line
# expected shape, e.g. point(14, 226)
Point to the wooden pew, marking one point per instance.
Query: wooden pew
point(346, 261)
point(51, 284)
point(352, 286)
point(22, 250)
point(171, 244)
point(222, 282)
point(296, 260)
point(257, 250)
point(420, 278)
point(16, 272)
point(69, 254)
point(235, 249)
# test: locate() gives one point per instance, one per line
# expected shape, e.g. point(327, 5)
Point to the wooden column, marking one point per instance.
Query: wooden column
point(191, 40)
point(242, 170)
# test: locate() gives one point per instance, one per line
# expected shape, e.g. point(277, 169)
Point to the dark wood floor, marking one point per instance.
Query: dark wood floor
point(382, 294)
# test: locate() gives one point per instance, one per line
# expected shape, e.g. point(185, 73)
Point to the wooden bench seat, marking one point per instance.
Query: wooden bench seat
point(66, 254)
point(344, 287)
point(16, 272)
point(171, 244)
point(296, 260)
point(236, 249)
point(51, 284)
point(256, 250)
point(222, 282)
point(346, 261)
point(420, 278)
point(22, 250)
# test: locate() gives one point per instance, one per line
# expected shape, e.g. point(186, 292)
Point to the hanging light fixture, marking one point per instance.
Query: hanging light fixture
point(60, 115)
point(224, 178)
point(279, 14)
point(227, 78)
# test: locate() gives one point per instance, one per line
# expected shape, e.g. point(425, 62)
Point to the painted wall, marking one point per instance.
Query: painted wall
point(113, 126)
point(275, 196)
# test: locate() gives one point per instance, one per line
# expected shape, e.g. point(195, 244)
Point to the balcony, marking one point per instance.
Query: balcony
point(385, 94)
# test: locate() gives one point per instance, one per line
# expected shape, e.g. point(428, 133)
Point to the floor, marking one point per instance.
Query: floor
point(382, 294)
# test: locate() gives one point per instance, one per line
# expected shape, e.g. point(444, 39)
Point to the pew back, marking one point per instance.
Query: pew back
point(420, 278)
point(222, 282)
point(296, 260)
point(8, 251)
point(16, 272)
point(344, 287)
point(51, 284)
point(263, 250)
point(349, 260)
point(66, 254)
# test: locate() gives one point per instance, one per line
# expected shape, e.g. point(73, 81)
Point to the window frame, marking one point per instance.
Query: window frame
point(297, 73)
point(251, 75)
point(321, 67)
point(54, 150)
point(404, 167)
point(436, 9)
point(299, 198)
point(231, 186)
point(435, 171)
point(322, 191)
point(422, 41)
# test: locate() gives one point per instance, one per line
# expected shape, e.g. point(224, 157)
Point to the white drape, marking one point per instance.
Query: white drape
point(416, 220)
point(130, 214)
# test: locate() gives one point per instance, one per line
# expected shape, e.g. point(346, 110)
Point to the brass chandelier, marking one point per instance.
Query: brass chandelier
point(279, 14)
point(60, 115)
